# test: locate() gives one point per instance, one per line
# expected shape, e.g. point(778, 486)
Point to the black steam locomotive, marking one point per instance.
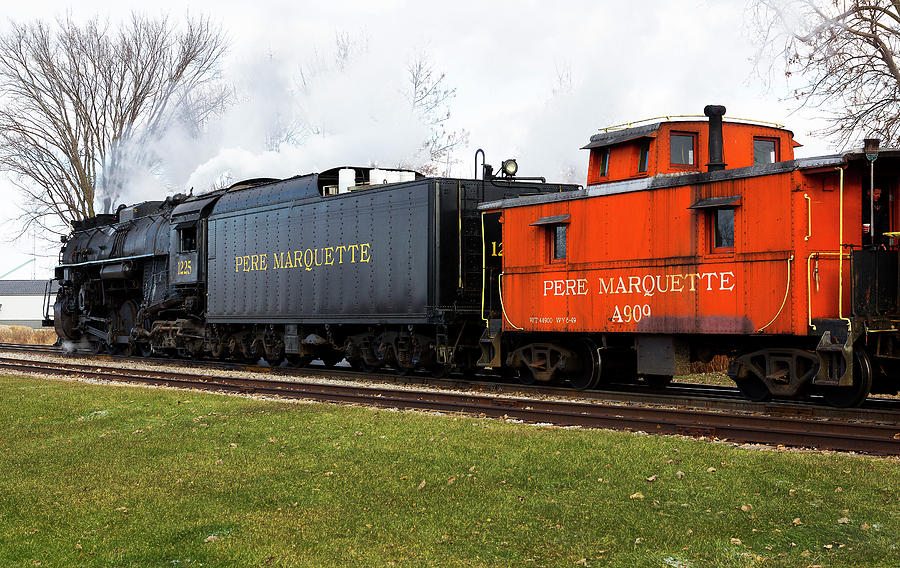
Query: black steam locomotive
point(381, 267)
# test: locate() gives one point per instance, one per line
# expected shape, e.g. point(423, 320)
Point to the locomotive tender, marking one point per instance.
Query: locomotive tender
point(789, 267)
point(669, 255)
point(381, 267)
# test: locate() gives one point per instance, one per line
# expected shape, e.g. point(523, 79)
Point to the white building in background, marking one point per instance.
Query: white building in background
point(22, 302)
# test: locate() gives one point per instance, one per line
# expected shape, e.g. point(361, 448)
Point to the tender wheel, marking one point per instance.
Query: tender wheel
point(298, 360)
point(274, 361)
point(332, 358)
point(438, 371)
point(855, 394)
point(657, 381)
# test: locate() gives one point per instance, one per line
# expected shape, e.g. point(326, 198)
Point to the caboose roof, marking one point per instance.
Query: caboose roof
point(624, 135)
point(687, 178)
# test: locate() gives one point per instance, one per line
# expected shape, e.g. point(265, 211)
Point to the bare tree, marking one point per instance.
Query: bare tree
point(431, 98)
point(82, 105)
point(845, 52)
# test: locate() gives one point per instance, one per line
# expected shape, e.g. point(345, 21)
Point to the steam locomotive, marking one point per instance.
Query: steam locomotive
point(381, 267)
point(668, 255)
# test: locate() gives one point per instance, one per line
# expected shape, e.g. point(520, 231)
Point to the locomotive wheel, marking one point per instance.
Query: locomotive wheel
point(369, 368)
point(403, 369)
point(855, 394)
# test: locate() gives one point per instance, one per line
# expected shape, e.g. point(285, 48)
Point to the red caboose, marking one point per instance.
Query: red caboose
point(696, 238)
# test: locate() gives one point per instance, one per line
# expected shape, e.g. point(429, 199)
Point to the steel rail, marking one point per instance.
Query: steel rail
point(866, 437)
point(710, 397)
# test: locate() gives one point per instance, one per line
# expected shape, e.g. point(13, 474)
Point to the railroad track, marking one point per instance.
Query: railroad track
point(29, 348)
point(709, 397)
point(868, 437)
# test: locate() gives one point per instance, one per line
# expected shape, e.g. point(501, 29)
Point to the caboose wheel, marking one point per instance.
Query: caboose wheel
point(524, 375)
point(753, 388)
point(589, 374)
point(855, 394)
point(750, 385)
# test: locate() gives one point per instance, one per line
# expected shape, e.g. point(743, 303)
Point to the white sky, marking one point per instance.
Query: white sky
point(627, 61)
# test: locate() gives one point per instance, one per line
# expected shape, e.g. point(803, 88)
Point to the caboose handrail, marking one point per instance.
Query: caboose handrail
point(809, 259)
point(787, 291)
point(502, 307)
point(671, 116)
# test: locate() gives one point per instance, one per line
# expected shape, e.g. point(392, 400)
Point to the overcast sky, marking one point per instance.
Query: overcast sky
point(619, 62)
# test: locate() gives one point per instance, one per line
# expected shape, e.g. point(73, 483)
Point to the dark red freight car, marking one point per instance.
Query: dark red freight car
point(697, 238)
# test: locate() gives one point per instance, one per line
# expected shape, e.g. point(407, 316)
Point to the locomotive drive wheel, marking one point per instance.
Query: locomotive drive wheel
point(855, 394)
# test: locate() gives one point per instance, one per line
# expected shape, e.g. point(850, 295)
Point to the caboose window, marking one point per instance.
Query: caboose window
point(558, 244)
point(644, 158)
point(188, 239)
point(723, 228)
point(765, 151)
point(682, 149)
point(604, 162)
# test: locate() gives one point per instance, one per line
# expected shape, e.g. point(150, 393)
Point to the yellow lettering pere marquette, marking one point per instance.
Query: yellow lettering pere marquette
point(308, 259)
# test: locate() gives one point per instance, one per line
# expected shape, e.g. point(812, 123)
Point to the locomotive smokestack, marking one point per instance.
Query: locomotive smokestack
point(716, 150)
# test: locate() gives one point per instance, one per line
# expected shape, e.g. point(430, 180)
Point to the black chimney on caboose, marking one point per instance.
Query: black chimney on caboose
point(716, 143)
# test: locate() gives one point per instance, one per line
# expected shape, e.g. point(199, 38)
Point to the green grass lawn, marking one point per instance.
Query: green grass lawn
point(119, 476)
